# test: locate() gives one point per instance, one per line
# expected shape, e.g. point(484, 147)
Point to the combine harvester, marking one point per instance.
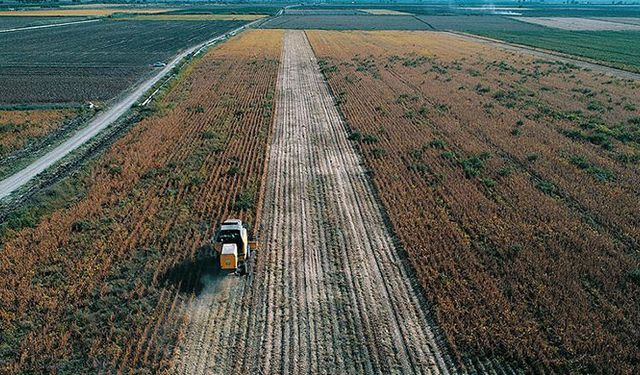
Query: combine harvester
point(233, 248)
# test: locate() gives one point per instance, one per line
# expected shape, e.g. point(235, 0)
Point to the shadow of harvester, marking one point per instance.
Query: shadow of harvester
point(189, 275)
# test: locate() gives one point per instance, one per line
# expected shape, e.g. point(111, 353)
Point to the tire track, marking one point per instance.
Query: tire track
point(318, 176)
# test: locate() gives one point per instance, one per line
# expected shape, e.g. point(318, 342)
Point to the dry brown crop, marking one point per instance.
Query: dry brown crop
point(512, 182)
point(96, 287)
point(19, 127)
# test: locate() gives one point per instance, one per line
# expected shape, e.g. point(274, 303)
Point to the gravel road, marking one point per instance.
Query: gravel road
point(331, 293)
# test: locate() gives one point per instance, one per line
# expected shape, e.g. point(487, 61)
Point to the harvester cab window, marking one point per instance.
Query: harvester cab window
point(228, 236)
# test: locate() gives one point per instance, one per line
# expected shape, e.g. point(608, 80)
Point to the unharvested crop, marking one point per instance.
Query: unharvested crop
point(20, 127)
point(96, 287)
point(523, 243)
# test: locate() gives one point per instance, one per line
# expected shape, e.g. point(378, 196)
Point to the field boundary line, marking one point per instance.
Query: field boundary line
point(18, 180)
point(425, 22)
point(49, 25)
point(583, 62)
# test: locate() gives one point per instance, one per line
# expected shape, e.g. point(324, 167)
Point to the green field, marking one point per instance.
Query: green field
point(620, 49)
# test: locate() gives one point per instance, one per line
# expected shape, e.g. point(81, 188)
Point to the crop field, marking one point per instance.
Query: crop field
point(229, 9)
point(529, 9)
point(346, 22)
point(616, 48)
point(196, 17)
point(512, 182)
point(385, 12)
point(93, 61)
point(62, 12)
point(26, 134)
point(475, 24)
point(579, 24)
point(322, 12)
point(627, 20)
point(17, 128)
point(98, 286)
point(7, 23)
point(430, 188)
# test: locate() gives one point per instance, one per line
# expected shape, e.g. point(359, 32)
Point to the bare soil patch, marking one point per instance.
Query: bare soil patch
point(578, 24)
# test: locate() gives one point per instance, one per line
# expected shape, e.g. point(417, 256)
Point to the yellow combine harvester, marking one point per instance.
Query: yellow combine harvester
point(233, 247)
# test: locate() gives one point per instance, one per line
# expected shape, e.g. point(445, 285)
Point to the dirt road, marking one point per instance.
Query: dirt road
point(548, 55)
point(331, 293)
point(98, 124)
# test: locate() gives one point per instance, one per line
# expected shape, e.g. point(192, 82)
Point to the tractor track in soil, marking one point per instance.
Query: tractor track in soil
point(330, 292)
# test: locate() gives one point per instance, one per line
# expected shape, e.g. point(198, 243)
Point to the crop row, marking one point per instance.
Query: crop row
point(92, 61)
point(520, 235)
point(97, 286)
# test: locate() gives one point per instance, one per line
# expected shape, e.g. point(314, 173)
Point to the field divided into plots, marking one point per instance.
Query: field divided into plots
point(92, 61)
point(511, 182)
point(98, 286)
point(346, 22)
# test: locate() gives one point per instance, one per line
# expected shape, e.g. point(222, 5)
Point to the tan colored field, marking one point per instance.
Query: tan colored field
point(94, 280)
point(579, 24)
point(197, 17)
point(385, 12)
point(19, 127)
point(80, 12)
point(513, 184)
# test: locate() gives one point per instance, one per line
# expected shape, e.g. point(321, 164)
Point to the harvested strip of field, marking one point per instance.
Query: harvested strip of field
point(197, 17)
point(383, 12)
point(578, 24)
point(512, 183)
point(80, 12)
point(98, 285)
point(331, 293)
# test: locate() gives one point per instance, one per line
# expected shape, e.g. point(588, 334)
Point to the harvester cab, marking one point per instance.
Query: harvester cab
point(233, 247)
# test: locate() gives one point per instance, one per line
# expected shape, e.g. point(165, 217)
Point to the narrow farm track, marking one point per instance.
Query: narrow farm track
point(331, 293)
